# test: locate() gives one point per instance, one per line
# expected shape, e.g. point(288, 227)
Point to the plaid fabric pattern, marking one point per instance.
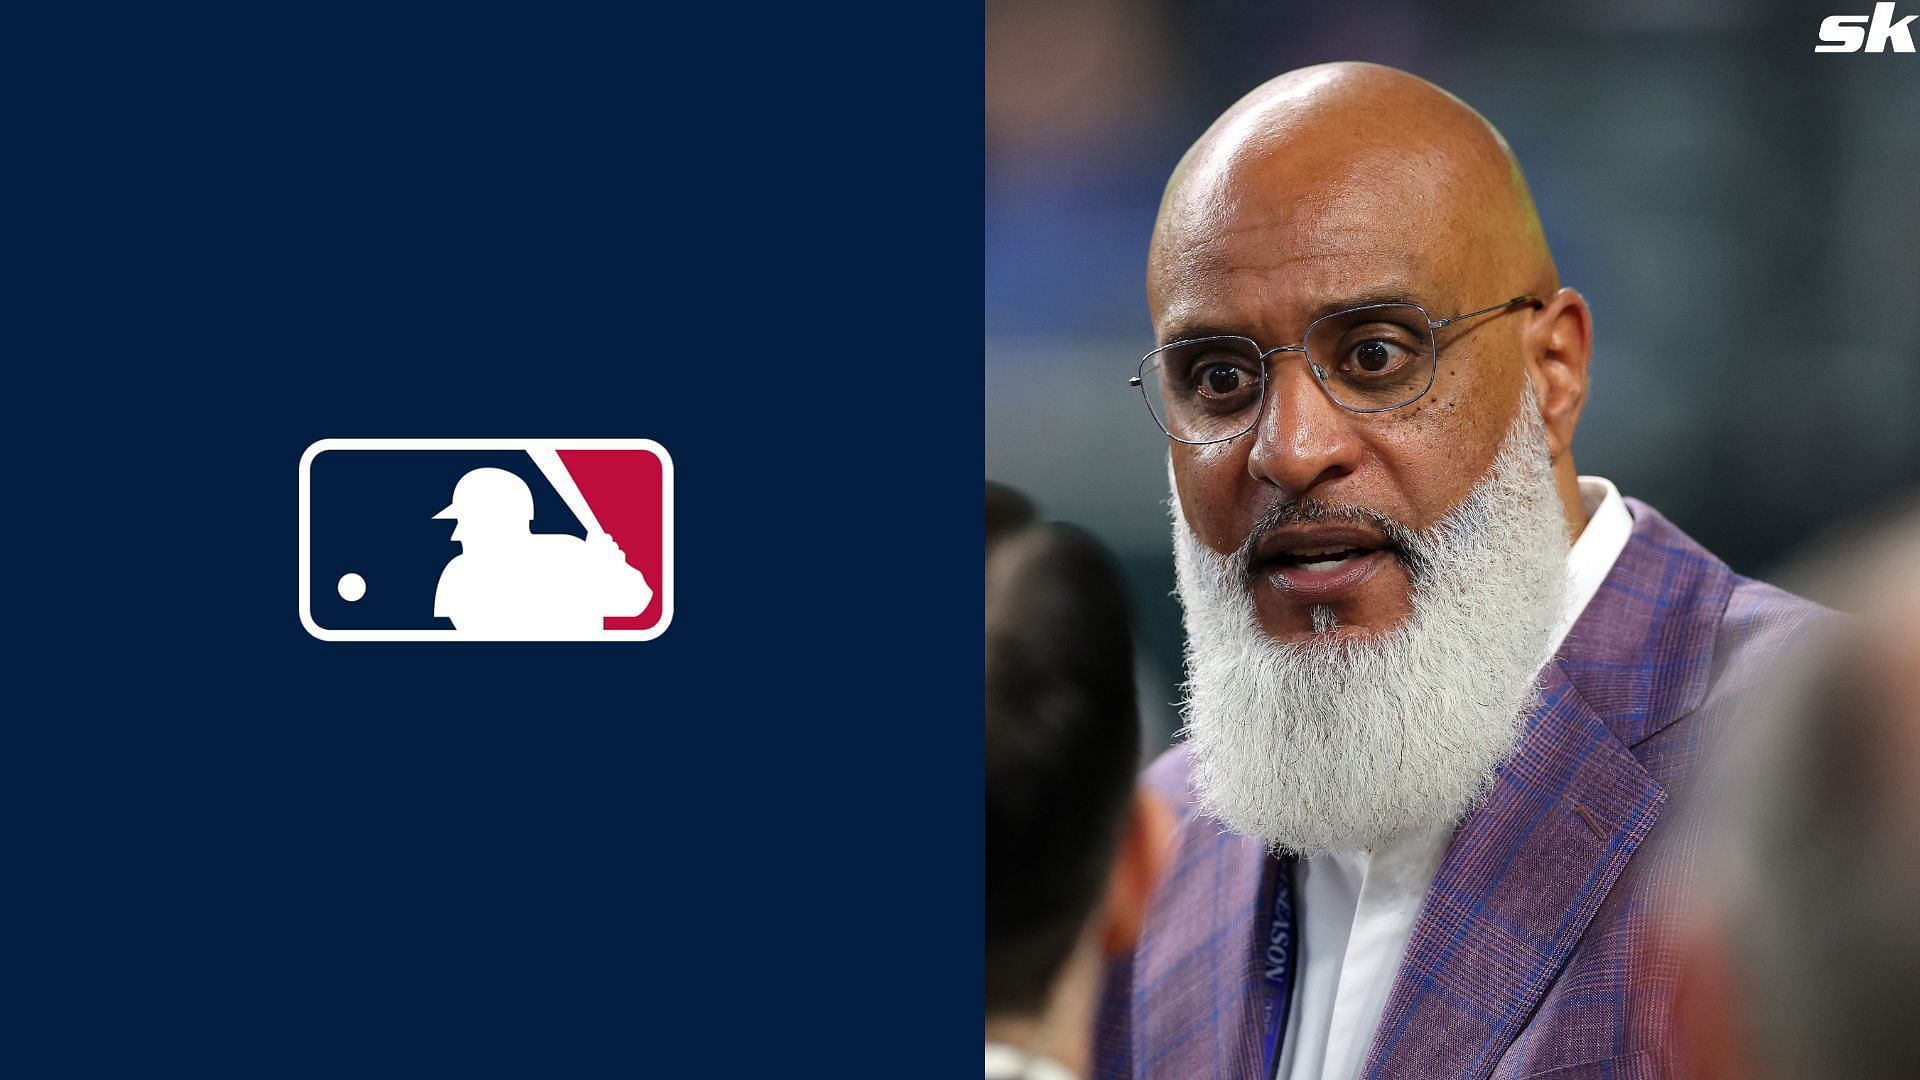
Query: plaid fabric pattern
point(1539, 949)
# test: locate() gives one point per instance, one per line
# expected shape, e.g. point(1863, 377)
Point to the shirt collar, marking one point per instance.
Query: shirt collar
point(1012, 1063)
point(1591, 559)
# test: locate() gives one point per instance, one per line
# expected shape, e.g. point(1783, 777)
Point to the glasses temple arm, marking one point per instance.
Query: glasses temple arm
point(1528, 299)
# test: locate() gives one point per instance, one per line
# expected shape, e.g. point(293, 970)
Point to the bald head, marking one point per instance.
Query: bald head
point(1327, 152)
point(1356, 191)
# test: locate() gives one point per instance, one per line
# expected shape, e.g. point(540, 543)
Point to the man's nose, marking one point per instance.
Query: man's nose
point(1301, 439)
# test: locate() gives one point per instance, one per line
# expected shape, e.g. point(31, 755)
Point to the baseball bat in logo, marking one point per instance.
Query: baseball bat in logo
point(486, 539)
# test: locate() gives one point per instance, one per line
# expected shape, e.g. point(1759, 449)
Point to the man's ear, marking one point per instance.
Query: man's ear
point(1144, 847)
point(1557, 343)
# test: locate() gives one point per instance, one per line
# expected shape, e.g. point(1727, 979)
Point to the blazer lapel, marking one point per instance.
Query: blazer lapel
point(1196, 1001)
point(1517, 887)
point(1529, 867)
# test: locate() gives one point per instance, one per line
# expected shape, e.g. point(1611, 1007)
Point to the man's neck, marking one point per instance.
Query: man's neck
point(1566, 479)
point(1064, 1031)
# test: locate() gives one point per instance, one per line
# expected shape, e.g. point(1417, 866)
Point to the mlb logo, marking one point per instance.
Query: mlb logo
point(486, 539)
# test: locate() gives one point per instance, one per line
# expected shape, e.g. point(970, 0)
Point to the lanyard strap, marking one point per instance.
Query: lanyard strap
point(1277, 961)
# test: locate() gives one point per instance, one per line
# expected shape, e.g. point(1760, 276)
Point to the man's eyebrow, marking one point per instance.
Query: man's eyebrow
point(1195, 331)
point(1383, 294)
point(1393, 293)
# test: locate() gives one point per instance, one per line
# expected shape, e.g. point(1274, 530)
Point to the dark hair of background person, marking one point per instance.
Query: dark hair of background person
point(1062, 743)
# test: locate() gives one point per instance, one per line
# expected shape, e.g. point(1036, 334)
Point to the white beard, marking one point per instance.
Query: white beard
point(1340, 743)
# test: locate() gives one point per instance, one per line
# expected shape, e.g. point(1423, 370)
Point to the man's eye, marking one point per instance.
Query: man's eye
point(1376, 357)
point(1223, 385)
point(1221, 380)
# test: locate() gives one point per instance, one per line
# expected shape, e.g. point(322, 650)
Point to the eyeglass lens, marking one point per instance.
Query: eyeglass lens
point(1368, 360)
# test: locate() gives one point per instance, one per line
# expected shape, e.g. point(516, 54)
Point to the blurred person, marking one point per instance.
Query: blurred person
point(1806, 960)
point(1440, 686)
point(1073, 846)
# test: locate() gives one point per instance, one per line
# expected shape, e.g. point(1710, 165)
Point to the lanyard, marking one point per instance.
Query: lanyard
point(1277, 957)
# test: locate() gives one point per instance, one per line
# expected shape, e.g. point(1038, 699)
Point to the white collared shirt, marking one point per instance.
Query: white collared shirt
point(1012, 1063)
point(1357, 908)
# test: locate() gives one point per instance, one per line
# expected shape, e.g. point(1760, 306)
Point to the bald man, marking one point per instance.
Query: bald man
point(1442, 688)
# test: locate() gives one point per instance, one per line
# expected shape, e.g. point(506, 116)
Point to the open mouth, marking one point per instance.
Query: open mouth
point(1320, 564)
point(1322, 560)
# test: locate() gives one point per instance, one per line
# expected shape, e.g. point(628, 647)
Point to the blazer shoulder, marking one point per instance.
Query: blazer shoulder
point(1761, 624)
point(1758, 606)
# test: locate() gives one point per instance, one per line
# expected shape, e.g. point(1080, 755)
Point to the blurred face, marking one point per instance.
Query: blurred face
point(1260, 249)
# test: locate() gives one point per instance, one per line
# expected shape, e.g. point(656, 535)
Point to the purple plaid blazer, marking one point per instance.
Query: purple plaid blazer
point(1539, 950)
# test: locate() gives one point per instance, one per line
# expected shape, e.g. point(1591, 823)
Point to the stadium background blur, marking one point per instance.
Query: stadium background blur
point(1740, 212)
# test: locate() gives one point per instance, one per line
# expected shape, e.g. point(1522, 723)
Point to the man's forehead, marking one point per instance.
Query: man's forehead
point(1307, 189)
point(1308, 241)
point(1261, 259)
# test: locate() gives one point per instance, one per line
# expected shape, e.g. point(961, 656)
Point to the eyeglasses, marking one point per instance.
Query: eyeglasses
point(1369, 359)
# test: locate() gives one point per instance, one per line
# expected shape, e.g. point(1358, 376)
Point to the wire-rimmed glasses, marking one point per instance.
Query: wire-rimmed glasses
point(1368, 359)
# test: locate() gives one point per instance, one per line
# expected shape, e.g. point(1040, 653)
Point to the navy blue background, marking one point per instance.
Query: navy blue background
point(372, 515)
point(749, 846)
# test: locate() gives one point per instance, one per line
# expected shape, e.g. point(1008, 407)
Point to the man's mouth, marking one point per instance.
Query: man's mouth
point(1322, 561)
point(1320, 564)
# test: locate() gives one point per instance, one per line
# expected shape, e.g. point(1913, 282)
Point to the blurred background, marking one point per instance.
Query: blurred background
point(1742, 213)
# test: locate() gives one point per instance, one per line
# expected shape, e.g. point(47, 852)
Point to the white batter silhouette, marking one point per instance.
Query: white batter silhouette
point(511, 582)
